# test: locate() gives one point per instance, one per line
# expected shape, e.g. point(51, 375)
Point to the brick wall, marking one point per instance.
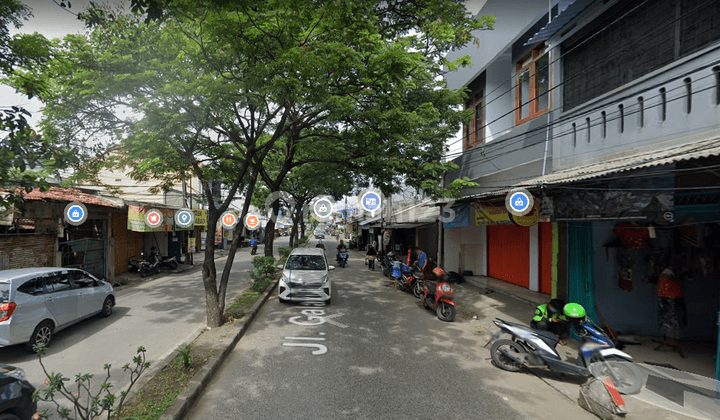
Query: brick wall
point(24, 251)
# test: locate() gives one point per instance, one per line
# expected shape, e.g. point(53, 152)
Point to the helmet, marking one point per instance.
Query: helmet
point(439, 272)
point(574, 311)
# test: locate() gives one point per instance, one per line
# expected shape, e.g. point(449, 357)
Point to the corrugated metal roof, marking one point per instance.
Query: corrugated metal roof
point(559, 21)
point(695, 150)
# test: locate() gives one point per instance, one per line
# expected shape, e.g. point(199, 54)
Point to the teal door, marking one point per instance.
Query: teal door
point(581, 284)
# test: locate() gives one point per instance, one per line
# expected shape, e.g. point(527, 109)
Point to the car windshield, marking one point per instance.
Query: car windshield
point(4, 293)
point(305, 262)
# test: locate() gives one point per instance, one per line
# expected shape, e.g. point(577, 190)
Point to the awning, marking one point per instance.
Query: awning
point(368, 221)
point(407, 225)
point(687, 151)
point(559, 21)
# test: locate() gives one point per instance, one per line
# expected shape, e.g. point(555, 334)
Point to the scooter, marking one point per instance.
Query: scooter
point(169, 262)
point(439, 298)
point(342, 258)
point(135, 266)
point(153, 263)
point(532, 348)
point(253, 249)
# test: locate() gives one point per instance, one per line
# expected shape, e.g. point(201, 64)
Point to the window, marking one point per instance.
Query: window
point(604, 124)
point(32, 287)
point(533, 84)
point(58, 282)
point(305, 262)
point(688, 95)
point(474, 130)
point(81, 279)
point(641, 111)
point(663, 104)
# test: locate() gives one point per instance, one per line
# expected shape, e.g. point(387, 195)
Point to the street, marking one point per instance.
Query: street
point(159, 315)
point(374, 353)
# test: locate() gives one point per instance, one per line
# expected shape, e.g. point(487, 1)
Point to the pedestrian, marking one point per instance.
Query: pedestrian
point(549, 317)
point(422, 260)
point(371, 255)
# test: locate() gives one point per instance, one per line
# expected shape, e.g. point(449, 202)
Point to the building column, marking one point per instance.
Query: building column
point(534, 259)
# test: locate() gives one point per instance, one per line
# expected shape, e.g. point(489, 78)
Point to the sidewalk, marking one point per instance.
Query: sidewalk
point(666, 398)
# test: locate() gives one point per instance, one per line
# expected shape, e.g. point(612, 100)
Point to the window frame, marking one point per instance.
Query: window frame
point(472, 135)
point(529, 62)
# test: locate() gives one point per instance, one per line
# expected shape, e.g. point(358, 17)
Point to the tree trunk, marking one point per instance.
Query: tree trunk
point(270, 229)
point(209, 275)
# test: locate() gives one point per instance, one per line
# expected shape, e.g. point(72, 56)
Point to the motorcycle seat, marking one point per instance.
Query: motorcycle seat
point(550, 338)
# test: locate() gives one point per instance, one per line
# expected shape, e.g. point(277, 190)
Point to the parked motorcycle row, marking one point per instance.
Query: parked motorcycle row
point(435, 295)
point(152, 263)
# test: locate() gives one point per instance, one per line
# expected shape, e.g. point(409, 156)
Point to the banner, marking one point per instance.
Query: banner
point(529, 219)
point(191, 245)
point(462, 217)
point(136, 220)
point(201, 217)
point(487, 214)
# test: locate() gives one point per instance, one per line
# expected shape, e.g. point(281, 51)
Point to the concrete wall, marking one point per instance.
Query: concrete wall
point(466, 249)
point(514, 17)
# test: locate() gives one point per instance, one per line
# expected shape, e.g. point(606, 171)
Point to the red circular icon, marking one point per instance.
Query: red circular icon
point(153, 218)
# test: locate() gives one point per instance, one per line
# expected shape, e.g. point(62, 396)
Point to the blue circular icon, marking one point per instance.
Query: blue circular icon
point(519, 201)
point(76, 213)
point(370, 201)
point(184, 218)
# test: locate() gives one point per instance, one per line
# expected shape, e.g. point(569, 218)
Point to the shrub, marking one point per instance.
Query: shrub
point(86, 404)
point(263, 272)
point(285, 251)
point(186, 359)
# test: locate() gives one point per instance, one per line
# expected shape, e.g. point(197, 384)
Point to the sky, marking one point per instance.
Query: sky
point(52, 21)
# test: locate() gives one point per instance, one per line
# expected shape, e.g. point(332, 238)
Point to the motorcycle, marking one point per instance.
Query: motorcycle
point(342, 258)
point(142, 267)
point(597, 356)
point(153, 263)
point(409, 281)
point(169, 262)
point(386, 263)
point(439, 298)
point(253, 249)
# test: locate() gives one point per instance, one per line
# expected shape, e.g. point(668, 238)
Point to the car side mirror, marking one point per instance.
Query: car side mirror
point(279, 266)
point(331, 267)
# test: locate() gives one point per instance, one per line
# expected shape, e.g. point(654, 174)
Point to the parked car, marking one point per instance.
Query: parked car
point(35, 303)
point(305, 277)
point(16, 402)
point(319, 234)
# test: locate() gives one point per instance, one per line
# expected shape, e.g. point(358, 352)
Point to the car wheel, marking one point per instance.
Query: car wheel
point(328, 302)
point(281, 300)
point(9, 417)
point(42, 334)
point(107, 307)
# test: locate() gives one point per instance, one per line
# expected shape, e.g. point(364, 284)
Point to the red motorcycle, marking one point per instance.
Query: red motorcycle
point(439, 297)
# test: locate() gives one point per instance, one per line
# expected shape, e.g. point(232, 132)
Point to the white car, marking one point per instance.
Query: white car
point(305, 277)
point(35, 303)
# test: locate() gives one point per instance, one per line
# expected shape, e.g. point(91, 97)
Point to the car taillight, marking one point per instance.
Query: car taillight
point(6, 311)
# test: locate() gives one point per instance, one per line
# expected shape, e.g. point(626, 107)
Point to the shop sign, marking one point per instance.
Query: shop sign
point(201, 217)
point(487, 214)
point(529, 219)
point(136, 219)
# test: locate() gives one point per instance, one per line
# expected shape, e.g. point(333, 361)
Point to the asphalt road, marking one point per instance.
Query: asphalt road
point(374, 353)
point(158, 315)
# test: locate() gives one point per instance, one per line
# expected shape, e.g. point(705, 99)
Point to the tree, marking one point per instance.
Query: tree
point(26, 158)
point(234, 90)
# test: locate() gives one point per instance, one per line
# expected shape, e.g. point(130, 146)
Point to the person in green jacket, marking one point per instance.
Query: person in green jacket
point(549, 316)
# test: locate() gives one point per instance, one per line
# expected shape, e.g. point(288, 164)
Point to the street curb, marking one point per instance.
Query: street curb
point(187, 398)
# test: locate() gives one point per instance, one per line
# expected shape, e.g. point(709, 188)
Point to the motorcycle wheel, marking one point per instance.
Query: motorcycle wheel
point(399, 284)
point(418, 289)
point(625, 375)
point(173, 265)
point(445, 312)
point(503, 362)
point(144, 272)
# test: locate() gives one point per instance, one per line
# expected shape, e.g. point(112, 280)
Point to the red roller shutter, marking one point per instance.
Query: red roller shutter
point(509, 253)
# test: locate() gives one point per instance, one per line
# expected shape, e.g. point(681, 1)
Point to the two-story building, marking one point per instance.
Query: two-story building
point(608, 112)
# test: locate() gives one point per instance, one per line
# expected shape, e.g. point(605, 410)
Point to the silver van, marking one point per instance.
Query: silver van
point(35, 303)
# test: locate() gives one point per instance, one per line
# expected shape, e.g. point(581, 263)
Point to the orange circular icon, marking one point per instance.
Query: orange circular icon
point(229, 219)
point(252, 221)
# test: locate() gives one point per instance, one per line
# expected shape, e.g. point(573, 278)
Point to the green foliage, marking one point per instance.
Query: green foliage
point(86, 404)
point(285, 251)
point(185, 360)
point(263, 272)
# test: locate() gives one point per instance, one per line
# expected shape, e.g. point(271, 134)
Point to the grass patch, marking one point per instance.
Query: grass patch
point(156, 396)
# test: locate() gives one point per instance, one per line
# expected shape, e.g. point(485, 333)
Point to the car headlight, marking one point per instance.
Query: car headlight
point(325, 279)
